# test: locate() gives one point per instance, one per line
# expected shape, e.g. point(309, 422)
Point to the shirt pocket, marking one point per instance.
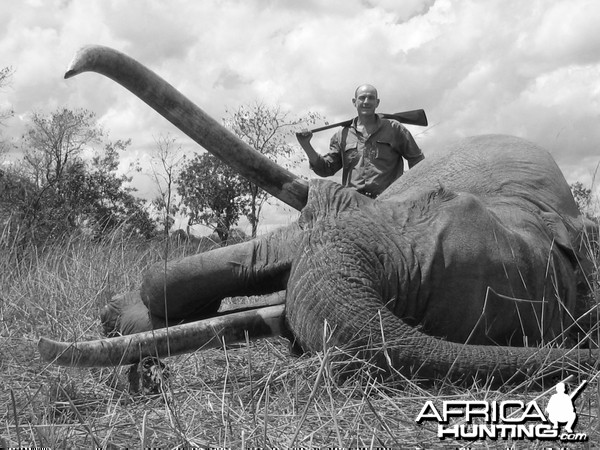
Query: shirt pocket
point(384, 152)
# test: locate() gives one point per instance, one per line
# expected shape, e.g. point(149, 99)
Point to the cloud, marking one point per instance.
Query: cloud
point(502, 66)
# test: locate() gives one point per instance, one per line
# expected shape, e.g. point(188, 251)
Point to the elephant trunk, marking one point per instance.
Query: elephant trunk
point(389, 344)
point(432, 358)
point(347, 311)
point(190, 119)
point(208, 333)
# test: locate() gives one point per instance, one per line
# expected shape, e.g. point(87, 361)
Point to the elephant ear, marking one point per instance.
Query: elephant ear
point(558, 230)
point(588, 232)
point(569, 243)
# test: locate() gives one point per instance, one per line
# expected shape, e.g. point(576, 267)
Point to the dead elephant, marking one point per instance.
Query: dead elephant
point(478, 245)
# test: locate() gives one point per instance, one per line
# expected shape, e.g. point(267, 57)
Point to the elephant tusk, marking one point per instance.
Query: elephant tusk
point(208, 333)
point(192, 120)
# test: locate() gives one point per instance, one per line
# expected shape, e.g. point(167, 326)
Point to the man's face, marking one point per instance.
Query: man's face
point(366, 101)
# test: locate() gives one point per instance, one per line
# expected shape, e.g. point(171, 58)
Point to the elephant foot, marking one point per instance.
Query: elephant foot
point(127, 314)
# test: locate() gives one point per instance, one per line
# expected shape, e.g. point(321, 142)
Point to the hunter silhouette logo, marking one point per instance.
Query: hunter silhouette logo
point(560, 407)
point(508, 419)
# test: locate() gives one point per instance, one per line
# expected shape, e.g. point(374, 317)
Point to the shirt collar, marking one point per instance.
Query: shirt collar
point(377, 118)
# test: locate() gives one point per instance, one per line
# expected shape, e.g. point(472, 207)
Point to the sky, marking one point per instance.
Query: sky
point(528, 68)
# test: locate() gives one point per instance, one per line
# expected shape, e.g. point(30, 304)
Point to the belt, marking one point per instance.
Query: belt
point(369, 194)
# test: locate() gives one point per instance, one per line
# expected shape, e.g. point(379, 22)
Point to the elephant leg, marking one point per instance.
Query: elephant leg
point(194, 286)
point(126, 313)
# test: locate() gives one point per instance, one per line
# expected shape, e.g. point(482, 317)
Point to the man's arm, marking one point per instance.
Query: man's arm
point(304, 138)
point(410, 150)
point(324, 166)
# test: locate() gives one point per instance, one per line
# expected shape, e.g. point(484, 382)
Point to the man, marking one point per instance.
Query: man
point(369, 151)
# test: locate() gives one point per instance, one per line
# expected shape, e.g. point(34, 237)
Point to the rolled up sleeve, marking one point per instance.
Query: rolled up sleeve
point(413, 161)
point(410, 150)
point(328, 164)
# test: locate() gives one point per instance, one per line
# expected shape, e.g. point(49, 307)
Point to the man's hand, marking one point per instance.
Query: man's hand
point(304, 137)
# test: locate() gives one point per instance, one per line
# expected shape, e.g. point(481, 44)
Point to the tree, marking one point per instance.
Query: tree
point(110, 201)
point(6, 74)
point(56, 141)
point(587, 203)
point(212, 194)
point(267, 130)
point(582, 195)
point(52, 161)
point(70, 192)
point(164, 167)
point(15, 193)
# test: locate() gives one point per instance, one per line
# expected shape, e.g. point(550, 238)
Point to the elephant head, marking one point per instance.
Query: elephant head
point(468, 257)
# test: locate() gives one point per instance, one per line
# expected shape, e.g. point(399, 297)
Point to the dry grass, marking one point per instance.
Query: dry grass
point(253, 396)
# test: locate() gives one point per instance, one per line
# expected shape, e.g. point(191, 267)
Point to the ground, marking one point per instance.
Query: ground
point(255, 395)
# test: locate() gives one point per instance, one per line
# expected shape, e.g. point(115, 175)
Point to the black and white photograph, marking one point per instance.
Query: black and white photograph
point(262, 224)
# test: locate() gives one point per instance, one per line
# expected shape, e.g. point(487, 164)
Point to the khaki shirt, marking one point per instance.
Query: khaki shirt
point(370, 162)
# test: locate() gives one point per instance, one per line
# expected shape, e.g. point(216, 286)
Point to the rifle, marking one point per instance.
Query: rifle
point(576, 392)
point(415, 117)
